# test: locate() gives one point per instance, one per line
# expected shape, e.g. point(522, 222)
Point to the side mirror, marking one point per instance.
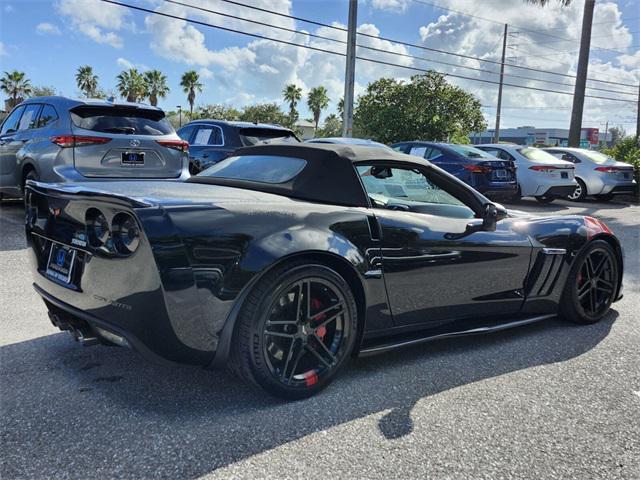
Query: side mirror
point(493, 213)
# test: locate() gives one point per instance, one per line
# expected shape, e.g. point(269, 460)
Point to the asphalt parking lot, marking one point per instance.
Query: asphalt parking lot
point(551, 400)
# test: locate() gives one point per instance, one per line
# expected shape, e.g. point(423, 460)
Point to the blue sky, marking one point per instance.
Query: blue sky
point(49, 40)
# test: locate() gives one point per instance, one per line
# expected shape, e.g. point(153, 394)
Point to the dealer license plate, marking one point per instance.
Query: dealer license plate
point(133, 158)
point(61, 261)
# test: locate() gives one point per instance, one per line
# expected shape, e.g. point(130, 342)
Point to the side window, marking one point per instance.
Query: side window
point(185, 133)
point(400, 148)
point(208, 135)
point(433, 153)
point(502, 155)
point(47, 116)
point(569, 157)
point(29, 117)
point(11, 122)
point(419, 151)
point(407, 189)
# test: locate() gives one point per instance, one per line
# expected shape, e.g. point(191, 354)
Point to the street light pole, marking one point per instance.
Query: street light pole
point(179, 107)
point(350, 70)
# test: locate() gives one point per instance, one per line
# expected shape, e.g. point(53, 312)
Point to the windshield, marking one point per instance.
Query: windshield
point(130, 121)
point(256, 168)
point(597, 157)
point(471, 152)
point(255, 136)
point(537, 154)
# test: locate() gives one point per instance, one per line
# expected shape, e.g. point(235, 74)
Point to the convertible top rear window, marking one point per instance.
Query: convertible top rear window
point(257, 168)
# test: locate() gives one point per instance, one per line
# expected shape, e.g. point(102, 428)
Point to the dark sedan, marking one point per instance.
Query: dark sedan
point(283, 261)
point(212, 140)
point(489, 175)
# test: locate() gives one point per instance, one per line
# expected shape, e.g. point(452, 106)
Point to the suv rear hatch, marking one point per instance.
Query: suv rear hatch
point(123, 141)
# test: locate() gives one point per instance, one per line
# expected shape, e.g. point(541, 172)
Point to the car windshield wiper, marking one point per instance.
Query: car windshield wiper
point(126, 130)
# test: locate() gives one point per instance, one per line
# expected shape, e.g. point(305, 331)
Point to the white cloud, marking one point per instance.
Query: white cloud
point(46, 28)
point(124, 63)
point(630, 61)
point(398, 6)
point(558, 53)
point(97, 20)
point(205, 73)
point(3, 50)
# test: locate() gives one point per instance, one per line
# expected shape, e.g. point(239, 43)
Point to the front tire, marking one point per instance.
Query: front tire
point(592, 284)
point(579, 193)
point(545, 199)
point(296, 329)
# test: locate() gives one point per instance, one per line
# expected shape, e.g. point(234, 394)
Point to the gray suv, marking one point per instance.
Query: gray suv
point(57, 139)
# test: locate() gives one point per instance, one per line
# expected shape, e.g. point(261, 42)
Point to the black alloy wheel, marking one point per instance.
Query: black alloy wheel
point(295, 332)
point(592, 285)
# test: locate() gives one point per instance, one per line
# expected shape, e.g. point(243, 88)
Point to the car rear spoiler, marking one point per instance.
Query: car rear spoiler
point(71, 191)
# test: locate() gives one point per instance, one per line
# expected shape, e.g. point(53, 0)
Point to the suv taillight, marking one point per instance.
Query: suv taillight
point(66, 141)
point(180, 145)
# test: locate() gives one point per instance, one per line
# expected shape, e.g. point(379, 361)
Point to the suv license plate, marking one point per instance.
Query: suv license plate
point(133, 158)
point(60, 263)
point(564, 174)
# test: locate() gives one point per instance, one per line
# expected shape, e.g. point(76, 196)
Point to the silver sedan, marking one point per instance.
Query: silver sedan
point(597, 174)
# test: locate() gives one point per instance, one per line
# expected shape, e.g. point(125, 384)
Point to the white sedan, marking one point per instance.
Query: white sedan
point(539, 174)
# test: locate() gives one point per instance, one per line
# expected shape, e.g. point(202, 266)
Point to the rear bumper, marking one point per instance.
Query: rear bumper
point(559, 191)
point(624, 189)
point(499, 189)
point(81, 317)
point(68, 173)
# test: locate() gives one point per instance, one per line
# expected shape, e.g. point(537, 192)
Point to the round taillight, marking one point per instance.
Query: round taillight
point(97, 227)
point(126, 233)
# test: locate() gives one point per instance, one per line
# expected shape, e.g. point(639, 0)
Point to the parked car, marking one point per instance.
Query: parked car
point(348, 141)
point(58, 139)
point(212, 140)
point(489, 175)
point(597, 174)
point(539, 174)
point(283, 261)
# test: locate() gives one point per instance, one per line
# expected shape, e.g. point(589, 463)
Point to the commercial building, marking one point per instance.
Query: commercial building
point(528, 135)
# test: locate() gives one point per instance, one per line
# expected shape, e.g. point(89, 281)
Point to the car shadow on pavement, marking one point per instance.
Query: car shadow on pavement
point(105, 412)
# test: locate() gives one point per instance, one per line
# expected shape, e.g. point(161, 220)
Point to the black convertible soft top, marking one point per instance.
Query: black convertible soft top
point(329, 175)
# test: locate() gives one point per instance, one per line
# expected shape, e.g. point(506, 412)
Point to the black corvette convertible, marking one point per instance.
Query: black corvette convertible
point(285, 260)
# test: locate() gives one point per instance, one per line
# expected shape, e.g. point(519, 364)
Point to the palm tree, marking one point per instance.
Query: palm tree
point(292, 94)
point(131, 85)
point(156, 84)
point(16, 85)
point(87, 81)
point(341, 107)
point(317, 100)
point(190, 83)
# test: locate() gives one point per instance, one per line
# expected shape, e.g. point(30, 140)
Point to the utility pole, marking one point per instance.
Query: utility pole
point(581, 78)
point(496, 137)
point(350, 70)
point(606, 134)
point(638, 119)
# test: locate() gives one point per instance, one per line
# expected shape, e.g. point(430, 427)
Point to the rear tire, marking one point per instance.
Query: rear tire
point(545, 199)
point(604, 198)
point(579, 193)
point(30, 175)
point(295, 330)
point(592, 284)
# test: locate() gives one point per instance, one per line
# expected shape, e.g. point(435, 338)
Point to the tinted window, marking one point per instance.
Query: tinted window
point(419, 151)
point(470, 152)
point(254, 136)
point(185, 133)
point(257, 168)
point(433, 153)
point(208, 135)
point(597, 156)
point(29, 117)
point(133, 121)
point(11, 122)
point(47, 116)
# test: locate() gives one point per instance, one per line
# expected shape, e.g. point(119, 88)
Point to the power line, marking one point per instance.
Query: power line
point(413, 45)
point(381, 50)
point(371, 60)
point(535, 31)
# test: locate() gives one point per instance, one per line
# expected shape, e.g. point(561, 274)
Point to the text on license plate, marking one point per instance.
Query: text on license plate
point(133, 158)
point(500, 174)
point(60, 263)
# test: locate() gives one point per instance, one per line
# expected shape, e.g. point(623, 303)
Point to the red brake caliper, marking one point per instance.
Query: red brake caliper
point(317, 304)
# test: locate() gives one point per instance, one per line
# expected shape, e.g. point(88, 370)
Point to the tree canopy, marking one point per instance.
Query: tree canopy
point(425, 108)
